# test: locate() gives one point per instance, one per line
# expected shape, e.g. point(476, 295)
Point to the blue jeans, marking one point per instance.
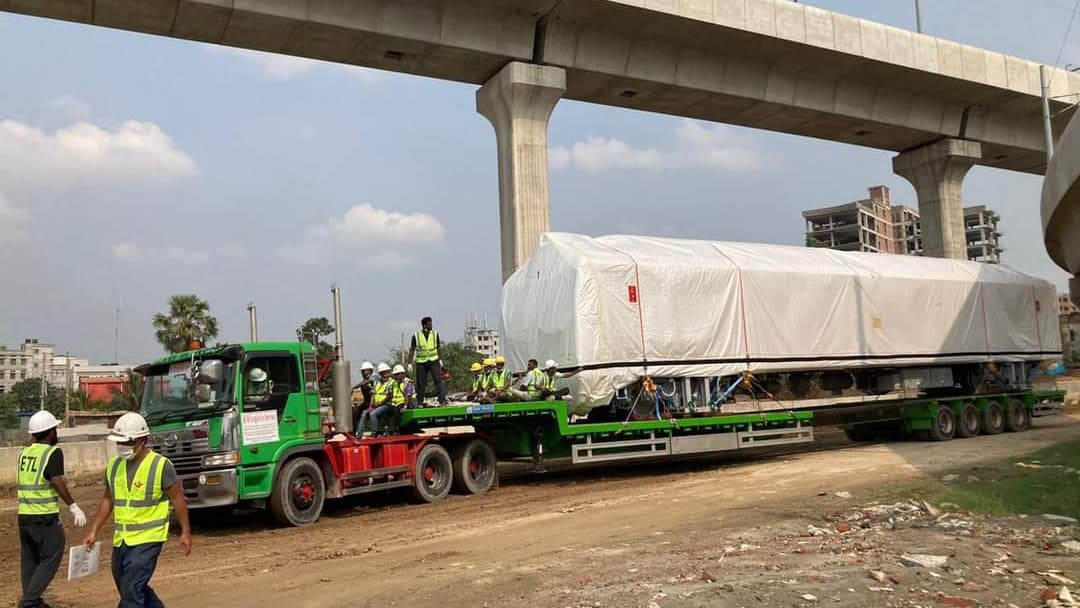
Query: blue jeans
point(365, 422)
point(381, 413)
point(132, 568)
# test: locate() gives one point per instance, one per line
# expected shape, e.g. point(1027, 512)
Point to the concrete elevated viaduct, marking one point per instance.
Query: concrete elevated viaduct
point(769, 64)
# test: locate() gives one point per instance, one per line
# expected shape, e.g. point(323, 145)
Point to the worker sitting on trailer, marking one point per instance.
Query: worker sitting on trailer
point(476, 393)
point(377, 403)
point(533, 375)
point(500, 386)
point(400, 394)
point(546, 389)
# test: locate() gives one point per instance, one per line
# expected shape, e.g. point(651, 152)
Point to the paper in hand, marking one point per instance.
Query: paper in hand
point(83, 562)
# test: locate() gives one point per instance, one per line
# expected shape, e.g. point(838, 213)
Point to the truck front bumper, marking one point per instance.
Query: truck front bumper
point(206, 489)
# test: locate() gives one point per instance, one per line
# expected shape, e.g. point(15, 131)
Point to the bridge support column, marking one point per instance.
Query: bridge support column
point(937, 171)
point(518, 101)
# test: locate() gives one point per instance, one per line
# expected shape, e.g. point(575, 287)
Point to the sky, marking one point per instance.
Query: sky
point(134, 167)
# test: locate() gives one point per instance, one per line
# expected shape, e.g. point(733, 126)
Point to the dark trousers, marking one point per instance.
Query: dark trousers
point(132, 568)
point(422, 371)
point(42, 541)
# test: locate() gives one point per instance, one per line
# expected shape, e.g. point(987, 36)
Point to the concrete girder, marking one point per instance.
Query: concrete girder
point(937, 172)
point(518, 101)
point(1061, 205)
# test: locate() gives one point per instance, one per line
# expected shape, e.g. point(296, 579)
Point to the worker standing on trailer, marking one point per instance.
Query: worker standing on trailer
point(139, 483)
point(378, 405)
point(500, 383)
point(426, 351)
point(40, 487)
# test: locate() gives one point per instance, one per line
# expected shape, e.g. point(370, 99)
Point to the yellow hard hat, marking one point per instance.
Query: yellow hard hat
point(489, 362)
point(500, 359)
point(475, 367)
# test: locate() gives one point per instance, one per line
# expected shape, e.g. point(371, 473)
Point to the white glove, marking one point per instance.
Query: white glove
point(440, 363)
point(408, 368)
point(78, 515)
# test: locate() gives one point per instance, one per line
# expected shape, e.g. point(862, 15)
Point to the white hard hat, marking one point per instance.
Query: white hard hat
point(366, 365)
point(383, 368)
point(129, 427)
point(399, 369)
point(42, 421)
point(257, 375)
point(550, 363)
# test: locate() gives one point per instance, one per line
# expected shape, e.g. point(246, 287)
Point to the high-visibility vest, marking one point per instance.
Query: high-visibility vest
point(479, 381)
point(36, 494)
point(397, 398)
point(379, 396)
point(427, 349)
point(537, 382)
point(499, 380)
point(141, 512)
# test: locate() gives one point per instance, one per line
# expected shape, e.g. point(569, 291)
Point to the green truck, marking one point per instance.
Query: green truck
point(281, 450)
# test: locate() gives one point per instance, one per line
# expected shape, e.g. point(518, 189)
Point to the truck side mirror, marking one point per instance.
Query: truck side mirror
point(202, 393)
point(211, 371)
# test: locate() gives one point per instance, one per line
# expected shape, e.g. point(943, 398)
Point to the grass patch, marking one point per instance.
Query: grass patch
point(1050, 483)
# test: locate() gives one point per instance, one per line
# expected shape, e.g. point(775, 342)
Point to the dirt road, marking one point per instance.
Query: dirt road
point(598, 537)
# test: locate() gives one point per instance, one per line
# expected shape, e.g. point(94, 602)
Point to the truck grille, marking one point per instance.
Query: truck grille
point(182, 448)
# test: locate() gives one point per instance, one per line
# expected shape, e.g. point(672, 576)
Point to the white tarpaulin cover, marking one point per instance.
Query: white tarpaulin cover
point(628, 306)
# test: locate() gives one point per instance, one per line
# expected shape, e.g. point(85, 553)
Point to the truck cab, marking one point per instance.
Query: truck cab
point(223, 432)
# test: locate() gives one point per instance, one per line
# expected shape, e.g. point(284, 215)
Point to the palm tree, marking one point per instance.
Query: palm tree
point(129, 399)
point(188, 319)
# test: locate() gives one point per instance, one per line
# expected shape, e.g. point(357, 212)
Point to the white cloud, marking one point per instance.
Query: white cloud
point(695, 147)
point(365, 223)
point(71, 107)
point(85, 154)
point(275, 66)
point(377, 239)
point(132, 253)
point(13, 222)
point(236, 252)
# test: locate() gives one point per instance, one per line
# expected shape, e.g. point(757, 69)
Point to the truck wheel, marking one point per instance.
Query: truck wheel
point(474, 467)
point(433, 474)
point(857, 434)
point(943, 427)
point(993, 419)
point(967, 421)
point(1017, 418)
point(299, 493)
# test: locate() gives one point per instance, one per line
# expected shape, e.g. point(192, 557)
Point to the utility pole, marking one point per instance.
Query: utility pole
point(918, 16)
point(44, 381)
point(1048, 131)
point(116, 337)
point(67, 389)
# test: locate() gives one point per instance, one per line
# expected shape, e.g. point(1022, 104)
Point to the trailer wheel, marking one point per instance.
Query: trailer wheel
point(475, 467)
point(857, 434)
point(943, 427)
point(993, 419)
point(299, 493)
point(967, 421)
point(1017, 418)
point(433, 474)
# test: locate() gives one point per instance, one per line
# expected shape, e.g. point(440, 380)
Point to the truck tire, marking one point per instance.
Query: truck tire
point(993, 419)
point(434, 473)
point(299, 493)
point(857, 434)
point(475, 467)
point(943, 426)
point(1017, 418)
point(967, 421)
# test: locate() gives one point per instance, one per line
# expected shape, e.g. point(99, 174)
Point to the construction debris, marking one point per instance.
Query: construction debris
point(922, 560)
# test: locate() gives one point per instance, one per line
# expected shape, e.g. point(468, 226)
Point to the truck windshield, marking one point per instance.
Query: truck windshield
point(169, 394)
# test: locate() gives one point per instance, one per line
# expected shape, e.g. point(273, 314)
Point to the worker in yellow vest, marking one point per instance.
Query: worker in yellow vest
point(426, 352)
point(478, 379)
point(500, 382)
point(40, 487)
point(139, 483)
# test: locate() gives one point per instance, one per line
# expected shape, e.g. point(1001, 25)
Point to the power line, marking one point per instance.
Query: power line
point(1064, 41)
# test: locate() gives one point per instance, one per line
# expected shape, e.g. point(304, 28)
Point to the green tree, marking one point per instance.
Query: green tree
point(7, 412)
point(188, 319)
point(456, 359)
point(312, 330)
point(131, 399)
point(25, 396)
point(79, 401)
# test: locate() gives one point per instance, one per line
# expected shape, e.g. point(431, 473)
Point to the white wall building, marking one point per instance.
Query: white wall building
point(481, 339)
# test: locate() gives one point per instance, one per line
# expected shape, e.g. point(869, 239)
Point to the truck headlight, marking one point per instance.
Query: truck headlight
point(225, 459)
